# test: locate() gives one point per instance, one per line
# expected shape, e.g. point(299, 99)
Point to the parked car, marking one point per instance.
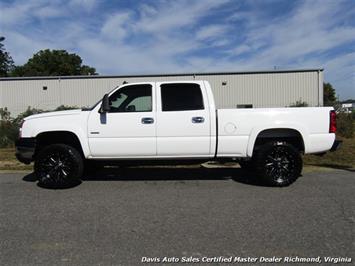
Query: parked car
point(174, 122)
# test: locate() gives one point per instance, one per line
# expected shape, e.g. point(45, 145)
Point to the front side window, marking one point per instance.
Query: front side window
point(181, 97)
point(134, 98)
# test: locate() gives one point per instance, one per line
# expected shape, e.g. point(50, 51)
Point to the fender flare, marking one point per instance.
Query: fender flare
point(257, 130)
point(76, 131)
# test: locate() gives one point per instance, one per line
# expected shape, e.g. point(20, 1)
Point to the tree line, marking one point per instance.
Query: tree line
point(44, 63)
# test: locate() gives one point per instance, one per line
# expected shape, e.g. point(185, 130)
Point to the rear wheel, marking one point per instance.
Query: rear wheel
point(58, 165)
point(279, 163)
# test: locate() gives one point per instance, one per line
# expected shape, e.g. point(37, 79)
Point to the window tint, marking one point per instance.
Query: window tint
point(181, 97)
point(142, 104)
point(117, 101)
point(134, 98)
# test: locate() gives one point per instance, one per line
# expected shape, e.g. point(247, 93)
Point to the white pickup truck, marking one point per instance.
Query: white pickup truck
point(171, 122)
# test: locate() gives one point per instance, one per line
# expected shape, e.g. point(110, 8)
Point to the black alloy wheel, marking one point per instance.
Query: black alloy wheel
point(58, 165)
point(279, 163)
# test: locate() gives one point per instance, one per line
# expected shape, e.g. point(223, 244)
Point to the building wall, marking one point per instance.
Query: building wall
point(269, 89)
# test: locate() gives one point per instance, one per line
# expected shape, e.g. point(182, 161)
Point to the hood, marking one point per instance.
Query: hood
point(52, 114)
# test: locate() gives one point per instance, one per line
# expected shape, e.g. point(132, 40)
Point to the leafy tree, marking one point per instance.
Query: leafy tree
point(329, 97)
point(299, 103)
point(349, 101)
point(8, 131)
point(345, 126)
point(54, 63)
point(5, 114)
point(6, 62)
point(65, 107)
point(9, 127)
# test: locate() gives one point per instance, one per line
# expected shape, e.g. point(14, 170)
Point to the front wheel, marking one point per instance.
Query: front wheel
point(279, 163)
point(58, 165)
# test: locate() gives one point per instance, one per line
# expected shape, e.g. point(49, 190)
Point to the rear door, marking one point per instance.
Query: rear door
point(183, 115)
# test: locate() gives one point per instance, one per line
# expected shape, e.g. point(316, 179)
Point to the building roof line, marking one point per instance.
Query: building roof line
point(163, 75)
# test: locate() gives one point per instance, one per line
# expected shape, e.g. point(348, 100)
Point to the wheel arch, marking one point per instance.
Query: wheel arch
point(46, 138)
point(293, 135)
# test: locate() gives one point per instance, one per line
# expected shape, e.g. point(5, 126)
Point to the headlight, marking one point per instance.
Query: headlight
point(20, 129)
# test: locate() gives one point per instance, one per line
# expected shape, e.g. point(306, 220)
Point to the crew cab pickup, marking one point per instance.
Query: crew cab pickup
point(171, 122)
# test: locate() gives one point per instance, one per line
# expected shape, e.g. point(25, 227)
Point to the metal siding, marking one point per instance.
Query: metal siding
point(20, 94)
point(259, 89)
point(321, 88)
point(264, 90)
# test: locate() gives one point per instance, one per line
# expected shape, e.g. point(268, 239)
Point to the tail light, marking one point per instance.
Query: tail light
point(332, 122)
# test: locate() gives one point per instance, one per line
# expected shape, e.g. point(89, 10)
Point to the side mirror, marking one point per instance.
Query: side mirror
point(131, 108)
point(105, 105)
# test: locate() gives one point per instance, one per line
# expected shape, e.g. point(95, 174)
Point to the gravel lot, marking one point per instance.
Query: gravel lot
point(116, 217)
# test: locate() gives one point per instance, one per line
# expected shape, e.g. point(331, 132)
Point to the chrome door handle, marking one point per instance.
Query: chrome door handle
point(198, 119)
point(147, 120)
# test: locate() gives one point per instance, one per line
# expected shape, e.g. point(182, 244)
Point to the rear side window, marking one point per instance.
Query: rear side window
point(181, 97)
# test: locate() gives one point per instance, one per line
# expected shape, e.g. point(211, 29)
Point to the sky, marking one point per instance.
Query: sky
point(178, 36)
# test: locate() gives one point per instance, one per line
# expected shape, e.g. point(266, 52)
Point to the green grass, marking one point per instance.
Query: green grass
point(8, 161)
point(344, 158)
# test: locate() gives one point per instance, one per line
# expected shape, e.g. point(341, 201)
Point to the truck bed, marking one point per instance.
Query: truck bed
point(238, 128)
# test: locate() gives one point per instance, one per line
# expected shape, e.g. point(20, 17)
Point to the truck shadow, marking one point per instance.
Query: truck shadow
point(165, 174)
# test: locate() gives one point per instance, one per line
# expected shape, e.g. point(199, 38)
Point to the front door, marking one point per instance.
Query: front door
point(129, 128)
point(183, 128)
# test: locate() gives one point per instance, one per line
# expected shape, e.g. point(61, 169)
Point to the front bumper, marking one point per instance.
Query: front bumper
point(25, 149)
point(336, 145)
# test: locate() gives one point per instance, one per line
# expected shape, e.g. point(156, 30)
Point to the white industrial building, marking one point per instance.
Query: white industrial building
point(278, 88)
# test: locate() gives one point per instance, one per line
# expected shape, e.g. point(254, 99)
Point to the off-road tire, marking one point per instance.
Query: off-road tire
point(279, 163)
point(58, 166)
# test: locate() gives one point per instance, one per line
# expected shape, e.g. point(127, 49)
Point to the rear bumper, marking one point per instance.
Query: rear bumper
point(25, 149)
point(336, 145)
